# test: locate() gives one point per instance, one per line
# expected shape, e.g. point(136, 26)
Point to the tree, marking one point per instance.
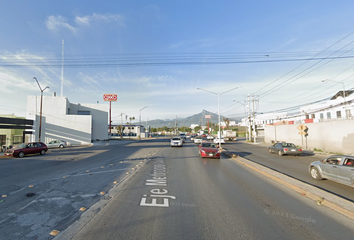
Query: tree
point(197, 128)
point(185, 129)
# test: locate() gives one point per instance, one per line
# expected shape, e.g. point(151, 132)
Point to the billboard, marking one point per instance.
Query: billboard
point(207, 116)
point(110, 97)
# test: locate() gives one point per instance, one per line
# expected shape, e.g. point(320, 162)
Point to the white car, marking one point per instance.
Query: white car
point(198, 140)
point(176, 142)
point(217, 140)
point(57, 144)
point(210, 137)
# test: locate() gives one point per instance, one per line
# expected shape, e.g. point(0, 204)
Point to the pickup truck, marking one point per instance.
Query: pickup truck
point(338, 168)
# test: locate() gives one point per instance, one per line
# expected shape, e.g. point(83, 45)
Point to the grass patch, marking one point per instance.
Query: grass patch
point(318, 150)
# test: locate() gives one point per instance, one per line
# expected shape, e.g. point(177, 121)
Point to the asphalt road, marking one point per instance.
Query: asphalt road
point(293, 166)
point(39, 194)
point(177, 195)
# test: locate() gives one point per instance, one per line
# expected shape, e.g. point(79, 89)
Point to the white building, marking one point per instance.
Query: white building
point(75, 123)
point(338, 107)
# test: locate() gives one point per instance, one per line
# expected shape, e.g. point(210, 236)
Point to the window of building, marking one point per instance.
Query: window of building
point(307, 116)
point(339, 114)
point(328, 115)
point(321, 115)
point(312, 116)
point(81, 112)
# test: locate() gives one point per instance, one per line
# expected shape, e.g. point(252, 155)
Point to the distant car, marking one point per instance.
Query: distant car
point(210, 137)
point(198, 140)
point(284, 148)
point(176, 142)
point(26, 149)
point(208, 150)
point(217, 140)
point(57, 144)
point(193, 137)
point(338, 168)
point(182, 136)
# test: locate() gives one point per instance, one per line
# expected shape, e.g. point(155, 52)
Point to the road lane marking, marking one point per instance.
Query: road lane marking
point(157, 197)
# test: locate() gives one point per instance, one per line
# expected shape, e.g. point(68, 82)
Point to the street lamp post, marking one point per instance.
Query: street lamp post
point(218, 94)
point(140, 114)
point(344, 98)
point(40, 111)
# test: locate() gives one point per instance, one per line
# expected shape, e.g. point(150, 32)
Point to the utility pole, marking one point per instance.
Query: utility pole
point(254, 121)
point(249, 118)
point(121, 125)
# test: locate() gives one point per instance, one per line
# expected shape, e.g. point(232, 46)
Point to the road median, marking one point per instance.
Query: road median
point(320, 197)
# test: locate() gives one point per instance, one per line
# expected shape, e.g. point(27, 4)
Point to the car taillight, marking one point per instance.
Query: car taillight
point(285, 149)
point(300, 150)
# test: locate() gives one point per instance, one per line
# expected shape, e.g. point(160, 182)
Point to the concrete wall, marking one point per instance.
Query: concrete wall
point(75, 129)
point(335, 136)
point(99, 113)
point(60, 120)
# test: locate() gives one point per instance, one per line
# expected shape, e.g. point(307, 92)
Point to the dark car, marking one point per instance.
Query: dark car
point(208, 150)
point(27, 149)
point(284, 148)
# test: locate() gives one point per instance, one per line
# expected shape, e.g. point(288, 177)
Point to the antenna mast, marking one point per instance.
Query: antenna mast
point(62, 67)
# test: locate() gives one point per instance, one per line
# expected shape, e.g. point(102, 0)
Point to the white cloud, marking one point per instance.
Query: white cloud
point(56, 22)
point(86, 20)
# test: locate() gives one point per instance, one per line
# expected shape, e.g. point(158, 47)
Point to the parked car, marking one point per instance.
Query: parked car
point(57, 144)
point(176, 142)
point(221, 140)
point(208, 150)
point(26, 149)
point(338, 168)
point(284, 148)
point(198, 140)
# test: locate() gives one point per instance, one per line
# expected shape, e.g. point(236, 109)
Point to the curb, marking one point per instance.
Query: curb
point(90, 213)
point(320, 197)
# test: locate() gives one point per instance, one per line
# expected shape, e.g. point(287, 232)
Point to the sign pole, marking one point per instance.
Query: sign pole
point(110, 98)
point(110, 116)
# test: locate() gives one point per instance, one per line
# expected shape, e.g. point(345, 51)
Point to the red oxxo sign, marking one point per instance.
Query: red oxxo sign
point(110, 97)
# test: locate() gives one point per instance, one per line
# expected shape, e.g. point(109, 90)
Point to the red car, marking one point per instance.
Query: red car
point(27, 148)
point(209, 150)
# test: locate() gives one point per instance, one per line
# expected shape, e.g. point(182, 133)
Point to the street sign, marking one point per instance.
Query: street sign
point(302, 127)
point(110, 97)
point(207, 116)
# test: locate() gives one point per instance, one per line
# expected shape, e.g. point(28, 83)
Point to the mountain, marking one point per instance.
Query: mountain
point(188, 121)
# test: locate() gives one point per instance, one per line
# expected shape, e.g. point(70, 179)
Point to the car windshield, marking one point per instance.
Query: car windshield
point(288, 145)
point(208, 145)
point(22, 145)
point(176, 139)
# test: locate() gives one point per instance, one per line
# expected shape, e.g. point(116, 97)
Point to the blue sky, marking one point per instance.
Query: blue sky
point(157, 53)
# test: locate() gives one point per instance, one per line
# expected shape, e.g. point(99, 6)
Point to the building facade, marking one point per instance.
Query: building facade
point(75, 123)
